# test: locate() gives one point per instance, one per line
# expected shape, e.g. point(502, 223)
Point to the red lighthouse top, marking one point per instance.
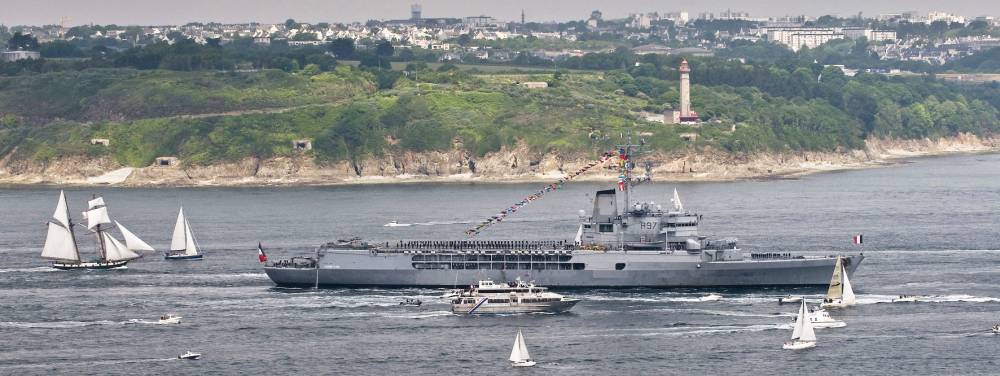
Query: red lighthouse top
point(684, 66)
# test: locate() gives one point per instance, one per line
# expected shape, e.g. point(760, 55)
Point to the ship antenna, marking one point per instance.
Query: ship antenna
point(627, 152)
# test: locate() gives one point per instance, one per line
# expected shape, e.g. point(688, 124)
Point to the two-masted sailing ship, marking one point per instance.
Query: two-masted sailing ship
point(61, 244)
point(182, 245)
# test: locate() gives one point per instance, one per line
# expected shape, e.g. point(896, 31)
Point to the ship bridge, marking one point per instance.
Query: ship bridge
point(642, 225)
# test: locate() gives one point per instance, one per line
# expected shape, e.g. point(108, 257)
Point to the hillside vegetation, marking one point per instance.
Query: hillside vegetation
point(352, 113)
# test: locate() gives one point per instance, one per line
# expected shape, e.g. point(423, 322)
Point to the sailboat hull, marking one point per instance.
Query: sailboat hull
point(522, 364)
point(798, 345)
point(90, 265)
point(836, 303)
point(182, 257)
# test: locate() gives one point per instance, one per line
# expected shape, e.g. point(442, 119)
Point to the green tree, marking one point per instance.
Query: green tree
point(60, 48)
point(22, 42)
point(311, 70)
point(424, 135)
point(384, 48)
point(342, 48)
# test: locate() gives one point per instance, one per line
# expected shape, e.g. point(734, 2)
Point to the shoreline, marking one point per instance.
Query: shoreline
point(301, 172)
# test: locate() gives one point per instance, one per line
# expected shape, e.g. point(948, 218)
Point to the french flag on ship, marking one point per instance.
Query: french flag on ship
point(857, 239)
point(260, 253)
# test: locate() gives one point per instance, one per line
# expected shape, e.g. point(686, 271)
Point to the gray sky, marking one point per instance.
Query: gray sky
point(151, 12)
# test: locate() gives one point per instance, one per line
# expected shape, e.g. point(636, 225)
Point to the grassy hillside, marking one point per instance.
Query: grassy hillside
point(125, 94)
point(744, 108)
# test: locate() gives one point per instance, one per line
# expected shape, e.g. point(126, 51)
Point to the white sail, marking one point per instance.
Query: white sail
point(678, 206)
point(522, 346)
point(62, 211)
point(97, 202)
point(836, 289)
point(115, 250)
point(133, 242)
point(59, 244)
point(806, 333)
point(848, 291)
point(797, 329)
point(96, 217)
point(179, 241)
point(190, 248)
point(519, 352)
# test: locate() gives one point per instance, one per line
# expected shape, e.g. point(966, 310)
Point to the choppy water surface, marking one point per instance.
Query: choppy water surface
point(932, 228)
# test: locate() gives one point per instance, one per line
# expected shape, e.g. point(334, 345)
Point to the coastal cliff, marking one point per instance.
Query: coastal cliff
point(515, 164)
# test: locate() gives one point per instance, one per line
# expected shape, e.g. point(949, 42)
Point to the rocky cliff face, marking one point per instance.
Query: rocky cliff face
point(507, 165)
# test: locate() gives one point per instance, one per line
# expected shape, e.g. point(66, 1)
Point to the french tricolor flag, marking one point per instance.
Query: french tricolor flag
point(857, 239)
point(260, 253)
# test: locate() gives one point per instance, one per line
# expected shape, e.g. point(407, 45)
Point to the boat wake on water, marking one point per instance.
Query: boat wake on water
point(55, 324)
point(726, 313)
point(961, 298)
point(680, 331)
point(146, 322)
point(55, 365)
point(37, 269)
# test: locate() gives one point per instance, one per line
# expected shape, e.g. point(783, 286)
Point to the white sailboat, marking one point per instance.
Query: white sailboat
point(803, 336)
point(840, 294)
point(61, 246)
point(183, 245)
point(519, 356)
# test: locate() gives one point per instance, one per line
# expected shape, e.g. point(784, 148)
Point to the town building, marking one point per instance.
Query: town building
point(11, 56)
point(797, 37)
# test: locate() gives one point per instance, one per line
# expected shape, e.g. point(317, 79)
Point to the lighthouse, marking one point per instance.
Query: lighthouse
point(686, 115)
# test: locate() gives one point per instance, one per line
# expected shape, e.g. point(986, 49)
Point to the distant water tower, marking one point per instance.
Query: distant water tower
point(415, 11)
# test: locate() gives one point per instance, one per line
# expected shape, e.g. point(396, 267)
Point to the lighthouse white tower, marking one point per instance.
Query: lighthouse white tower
point(686, 115)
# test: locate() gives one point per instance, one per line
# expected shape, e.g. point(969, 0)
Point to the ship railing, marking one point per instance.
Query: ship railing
point(294, 263)
point(773, 256)
point(476, 245)
point(475, 252)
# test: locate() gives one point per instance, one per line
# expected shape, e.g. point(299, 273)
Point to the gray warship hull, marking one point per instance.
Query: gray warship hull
point(566, 270)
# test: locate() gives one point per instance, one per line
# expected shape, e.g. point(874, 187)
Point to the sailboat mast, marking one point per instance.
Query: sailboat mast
point(72, 234)
point(102, 251)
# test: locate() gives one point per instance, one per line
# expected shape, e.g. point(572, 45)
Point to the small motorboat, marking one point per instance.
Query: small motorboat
point(411, 302)
point(996, 328)
point(710, 298)
point(789, 299)
point(905, 299)
point(821, 319)
point(170, 319)
point(395, 223)
point(189, 355)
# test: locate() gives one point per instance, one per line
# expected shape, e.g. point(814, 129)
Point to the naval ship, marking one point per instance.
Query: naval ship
point(630, 245)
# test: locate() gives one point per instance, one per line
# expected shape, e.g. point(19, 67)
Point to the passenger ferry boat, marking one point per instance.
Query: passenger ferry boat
point(514, 297)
